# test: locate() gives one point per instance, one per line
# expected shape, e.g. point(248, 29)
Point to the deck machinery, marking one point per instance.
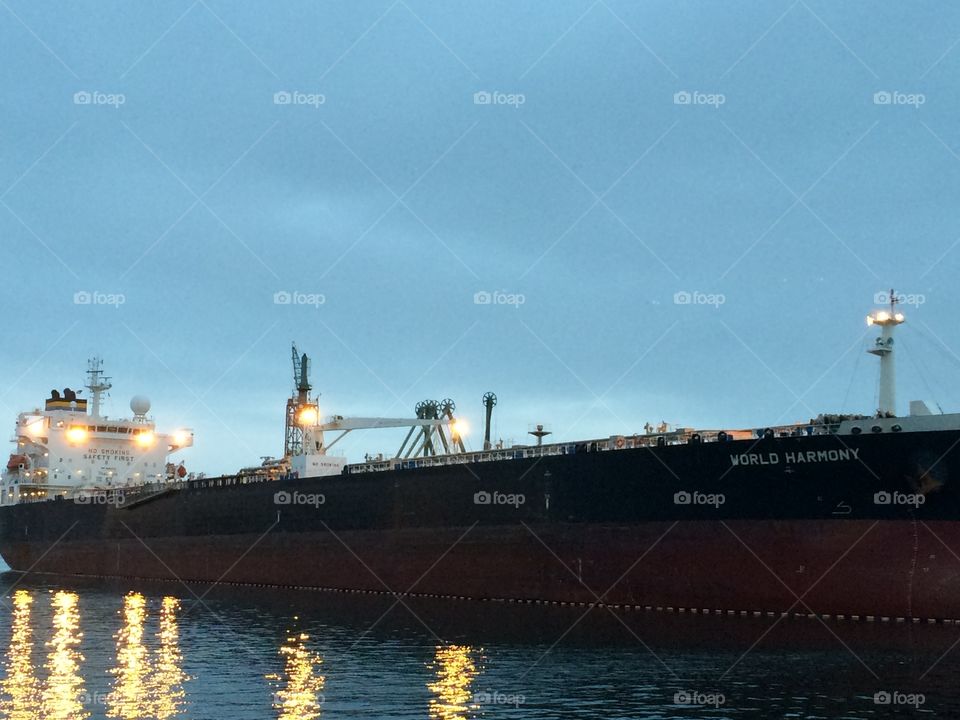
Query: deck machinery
point(434, 431)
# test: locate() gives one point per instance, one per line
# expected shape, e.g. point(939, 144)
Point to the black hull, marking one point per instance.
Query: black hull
point(790, 525)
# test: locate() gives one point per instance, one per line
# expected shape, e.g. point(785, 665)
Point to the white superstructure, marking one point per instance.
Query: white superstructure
point(68, 447)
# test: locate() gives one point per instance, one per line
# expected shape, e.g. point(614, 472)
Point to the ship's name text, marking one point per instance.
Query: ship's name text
point(795, 458)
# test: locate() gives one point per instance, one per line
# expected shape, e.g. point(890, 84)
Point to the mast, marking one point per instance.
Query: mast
point(883, 348)
point(97, 384)
point(489, 400)
point(302, 421)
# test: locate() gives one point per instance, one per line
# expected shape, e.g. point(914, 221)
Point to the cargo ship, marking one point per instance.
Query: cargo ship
point(847, 516)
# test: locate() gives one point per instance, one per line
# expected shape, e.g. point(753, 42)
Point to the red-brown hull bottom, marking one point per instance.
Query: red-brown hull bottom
point(877, 568)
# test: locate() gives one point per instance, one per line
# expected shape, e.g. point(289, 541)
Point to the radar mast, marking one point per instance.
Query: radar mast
point(883, 348)
point(97, 383)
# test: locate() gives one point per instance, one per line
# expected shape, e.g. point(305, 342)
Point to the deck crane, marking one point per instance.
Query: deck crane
point(299, 405)
point(434, 431)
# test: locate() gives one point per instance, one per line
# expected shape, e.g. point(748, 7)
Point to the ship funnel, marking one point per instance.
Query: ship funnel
point(883, 348)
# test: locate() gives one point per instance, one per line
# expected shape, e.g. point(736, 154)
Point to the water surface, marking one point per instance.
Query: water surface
point(109, 649)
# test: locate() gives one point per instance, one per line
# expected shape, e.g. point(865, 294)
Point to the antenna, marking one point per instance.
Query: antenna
point(97, 383)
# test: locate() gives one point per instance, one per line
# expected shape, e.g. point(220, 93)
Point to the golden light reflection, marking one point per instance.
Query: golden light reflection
point(167, 693)
point(299, 690)
point(455, 670)
point(21, 689)
point(63, 694)
point(148, 685)
point(129, 698)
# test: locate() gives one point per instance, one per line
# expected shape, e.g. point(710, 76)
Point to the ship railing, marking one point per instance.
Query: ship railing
point(680, 436)
point(228, 480)
point(123, 493)
point(515, 453)
point(117, 495)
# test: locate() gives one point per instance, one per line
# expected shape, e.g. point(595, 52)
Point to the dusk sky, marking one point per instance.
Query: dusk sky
point(171, 173)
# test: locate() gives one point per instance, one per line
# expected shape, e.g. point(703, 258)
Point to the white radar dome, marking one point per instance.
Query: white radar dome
point(140, 404)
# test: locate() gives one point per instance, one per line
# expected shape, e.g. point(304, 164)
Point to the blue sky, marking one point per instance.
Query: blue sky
point(145, 154)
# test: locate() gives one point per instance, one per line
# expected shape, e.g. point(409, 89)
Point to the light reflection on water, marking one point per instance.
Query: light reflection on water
point(109, 652)
point(299, 689)
point(129, 699)
point(147, 684)
point(63, 694)
point(21, 689)
point(168, 678)
point(455, 671)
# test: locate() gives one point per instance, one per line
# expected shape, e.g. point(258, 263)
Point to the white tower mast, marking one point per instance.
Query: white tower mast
point(97, 384)
point(883, 348)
